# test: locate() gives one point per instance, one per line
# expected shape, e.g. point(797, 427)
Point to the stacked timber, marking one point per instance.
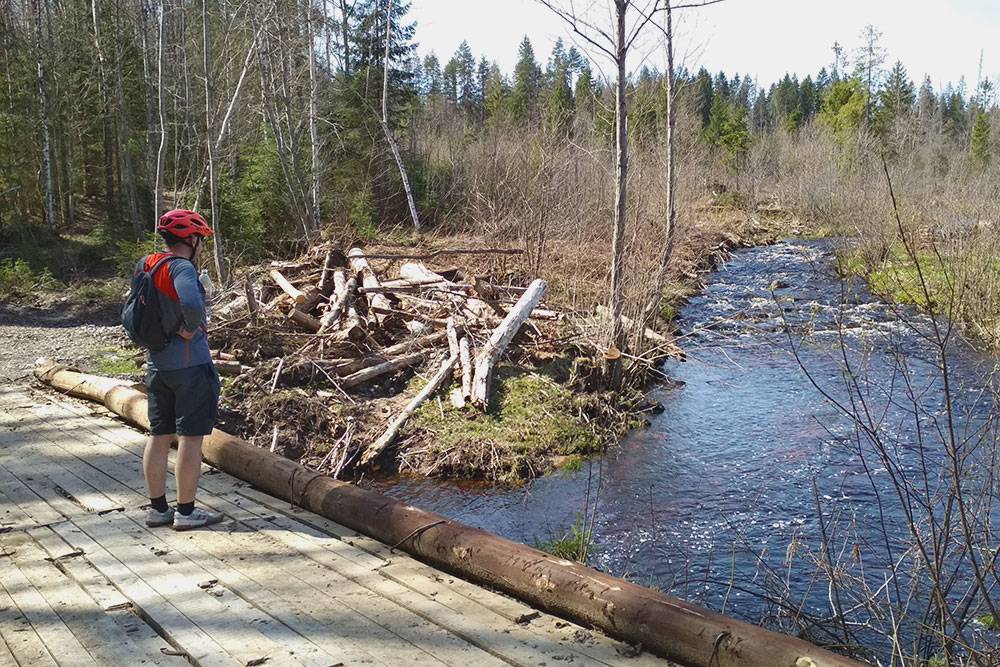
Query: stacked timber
point(338, 323)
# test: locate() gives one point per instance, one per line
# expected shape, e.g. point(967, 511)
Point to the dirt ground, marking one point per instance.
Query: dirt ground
point(78, 334)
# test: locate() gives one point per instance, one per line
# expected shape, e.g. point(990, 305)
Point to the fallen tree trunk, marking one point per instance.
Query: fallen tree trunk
point(397, 424)
point(383, 368)
point(465, 355)
point(498, 342)
point(417, 272)
point(360, 266)
point(298, 296)
point(668, 626)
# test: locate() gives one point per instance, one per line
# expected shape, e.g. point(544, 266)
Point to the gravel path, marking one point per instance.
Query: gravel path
point(79, 334)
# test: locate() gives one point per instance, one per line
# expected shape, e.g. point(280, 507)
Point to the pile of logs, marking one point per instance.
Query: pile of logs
point(354, 328)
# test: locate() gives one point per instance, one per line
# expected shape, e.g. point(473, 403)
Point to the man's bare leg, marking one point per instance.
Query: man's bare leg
point(187, 468)
point(154, 464)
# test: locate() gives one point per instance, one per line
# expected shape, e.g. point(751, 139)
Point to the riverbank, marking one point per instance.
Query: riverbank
point(549, 409)
point(954, 279)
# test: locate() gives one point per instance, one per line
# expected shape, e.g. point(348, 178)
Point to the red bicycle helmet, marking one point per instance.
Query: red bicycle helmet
point(183, 223)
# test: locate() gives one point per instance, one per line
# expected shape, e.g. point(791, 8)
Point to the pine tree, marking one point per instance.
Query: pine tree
point(465, 74)
point(926, 102)
point(979, 141)
point(450, 85)
point(704, 93)
point(431, 85)
point(527, 80)
point(584, 95)
point(718, 121)
point(497, 95)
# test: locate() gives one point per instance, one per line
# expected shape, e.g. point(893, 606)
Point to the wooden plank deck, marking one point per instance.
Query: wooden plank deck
point(83, 581)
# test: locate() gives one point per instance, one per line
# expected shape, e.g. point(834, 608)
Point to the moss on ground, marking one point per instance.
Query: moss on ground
point(117, 362)
point(531, 420)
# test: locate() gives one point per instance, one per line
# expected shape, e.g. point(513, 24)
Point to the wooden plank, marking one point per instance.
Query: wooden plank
point(178, 584)
point(487, 631)
point(6, 657)
point(19, 636)
point(105, 641)
point(64, 647)
point(24, 453)
point(390, 626)
point(12, 517)
point(244, 568)
point(596, 647)
point(173, 625)
point(181, 552)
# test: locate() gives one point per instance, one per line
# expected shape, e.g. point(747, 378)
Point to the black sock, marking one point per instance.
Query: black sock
point(185, 508)
point(159, 504)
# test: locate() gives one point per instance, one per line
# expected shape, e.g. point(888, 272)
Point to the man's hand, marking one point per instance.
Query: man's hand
point(185, 334)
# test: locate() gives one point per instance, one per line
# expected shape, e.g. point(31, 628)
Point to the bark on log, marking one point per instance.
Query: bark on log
point(227, 310)
point(397, 424)
point(326, 284)
point(418, 272)
point(298, 296)
point(252, 306)
point(353, 365)
point(360, 265)
point(304, 320)
point(465, 355)
point(498, 342)
point(343, 291)
point(452, 332)
point(384, 368)
point(667, 626)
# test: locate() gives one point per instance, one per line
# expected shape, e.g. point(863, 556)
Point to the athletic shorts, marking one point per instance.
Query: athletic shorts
point(184, 401)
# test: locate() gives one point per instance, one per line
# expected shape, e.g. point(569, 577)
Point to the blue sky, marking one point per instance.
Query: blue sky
point(764, 38)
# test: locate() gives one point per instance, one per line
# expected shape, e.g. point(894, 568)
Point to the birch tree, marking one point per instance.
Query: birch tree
point(43, 97)
point(386, 128)
point(629, 20)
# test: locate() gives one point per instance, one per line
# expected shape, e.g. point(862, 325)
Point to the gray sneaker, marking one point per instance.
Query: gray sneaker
point(155, 519)
point(196, 519)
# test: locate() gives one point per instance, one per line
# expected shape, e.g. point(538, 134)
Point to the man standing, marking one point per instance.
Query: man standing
point(182, 382)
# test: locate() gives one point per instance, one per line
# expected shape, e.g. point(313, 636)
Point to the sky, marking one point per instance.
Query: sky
point(763, 38)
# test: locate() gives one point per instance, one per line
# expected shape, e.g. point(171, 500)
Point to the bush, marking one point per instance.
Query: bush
point(18, 280)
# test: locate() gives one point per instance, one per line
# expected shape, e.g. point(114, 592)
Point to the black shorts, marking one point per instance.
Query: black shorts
point(184, 401)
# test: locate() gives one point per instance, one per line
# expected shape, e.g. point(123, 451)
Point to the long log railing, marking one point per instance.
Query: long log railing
point(667, 626)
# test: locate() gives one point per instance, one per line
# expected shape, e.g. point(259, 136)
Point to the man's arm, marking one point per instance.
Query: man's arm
point(189, 297)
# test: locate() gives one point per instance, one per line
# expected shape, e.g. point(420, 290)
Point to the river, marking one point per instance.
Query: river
point(717, 500)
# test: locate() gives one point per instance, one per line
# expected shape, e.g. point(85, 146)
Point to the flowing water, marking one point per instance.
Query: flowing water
point(733, 470)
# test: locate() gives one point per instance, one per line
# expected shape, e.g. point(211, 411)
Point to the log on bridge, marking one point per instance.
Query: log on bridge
point(667, 626)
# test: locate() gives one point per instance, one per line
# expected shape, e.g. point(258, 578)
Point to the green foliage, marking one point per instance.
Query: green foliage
point(573, 544)
point(18, 280)
point(729, 131)
point(979, 142)
point(254, 205)
point(844, 110)
point(527, 81)
point(363, 214)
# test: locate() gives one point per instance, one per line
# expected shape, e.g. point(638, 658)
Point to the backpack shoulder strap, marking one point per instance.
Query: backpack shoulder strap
point(160, 262)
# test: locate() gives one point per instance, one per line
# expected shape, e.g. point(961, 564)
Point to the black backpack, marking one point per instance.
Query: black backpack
point(149, 318)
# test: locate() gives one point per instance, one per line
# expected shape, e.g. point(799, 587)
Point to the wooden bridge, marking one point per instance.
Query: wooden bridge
point(84, 582)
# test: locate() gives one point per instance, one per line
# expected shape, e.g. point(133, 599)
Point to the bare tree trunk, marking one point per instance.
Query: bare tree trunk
point(345, 43)
point(220, 262)
point(385, 120)
point(162, 151)
point(147, 80)
point(621, 200)
point(669, 227)
point(124, 130)
point(43, 96)
point(313, 134)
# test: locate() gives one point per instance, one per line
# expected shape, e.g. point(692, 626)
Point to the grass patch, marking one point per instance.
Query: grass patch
point(115, 362)
point(532, 419)
point(989, 622)
point(573, 544)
